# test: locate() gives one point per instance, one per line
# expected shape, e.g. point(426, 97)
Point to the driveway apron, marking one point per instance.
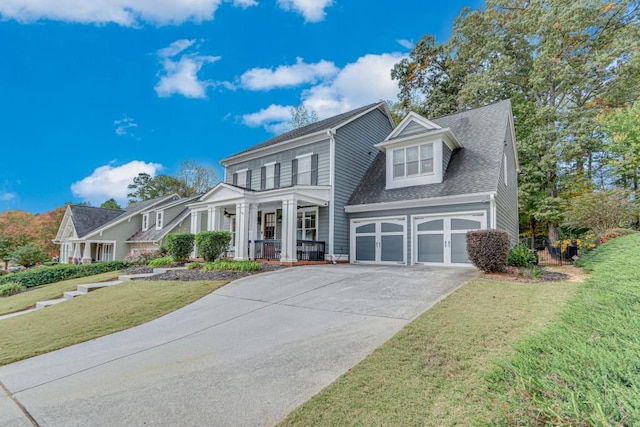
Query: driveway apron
point(246, 354)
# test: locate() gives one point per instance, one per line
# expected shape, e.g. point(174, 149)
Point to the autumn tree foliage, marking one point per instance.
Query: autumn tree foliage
point(20, 228)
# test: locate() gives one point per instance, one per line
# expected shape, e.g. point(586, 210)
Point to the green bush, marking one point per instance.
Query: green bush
point(29, 255)
point(211, 244)
point(11, 288)
point(50, 263)
point(179, 245)
point(231, 265)
point(44, 275)
point(141, 257)
point(161, 262)
point(521, 256)
point(194, 266)
point(488, 249)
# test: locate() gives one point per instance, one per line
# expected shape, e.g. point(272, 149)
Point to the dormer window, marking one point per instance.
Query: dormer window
point(159, 220)
point(413, 161)
point(145, 222)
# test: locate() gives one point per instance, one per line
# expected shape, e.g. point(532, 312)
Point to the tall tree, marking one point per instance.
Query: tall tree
point(146, 187)
point(198, 179)
point(302, 116)
point(110, 204)
point(560, 62)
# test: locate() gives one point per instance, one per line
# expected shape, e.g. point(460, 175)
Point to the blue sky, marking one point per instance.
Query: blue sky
point(92, 93)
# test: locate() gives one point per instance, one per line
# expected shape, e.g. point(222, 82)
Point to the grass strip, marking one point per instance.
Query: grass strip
point(99, 313)
point(29, 299)
point(585, 368)
point(432, 372)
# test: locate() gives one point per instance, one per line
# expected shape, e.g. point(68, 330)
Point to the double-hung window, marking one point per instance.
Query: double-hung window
point(413, 161)
point(145, 222)
point(241, 178)
point(159, 220)
point(307, 224)
point(304, 170)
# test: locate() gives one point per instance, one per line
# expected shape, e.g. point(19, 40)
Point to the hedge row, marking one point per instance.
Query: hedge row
point(43, 275)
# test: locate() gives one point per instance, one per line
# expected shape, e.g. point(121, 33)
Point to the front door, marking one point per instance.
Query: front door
point(269, 231)
point(381, 241)
point(442, 239)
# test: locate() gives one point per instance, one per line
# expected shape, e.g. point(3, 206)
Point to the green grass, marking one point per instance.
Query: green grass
point(28, 299)
point(99, 313)
point(432, 373)
point(585, 368)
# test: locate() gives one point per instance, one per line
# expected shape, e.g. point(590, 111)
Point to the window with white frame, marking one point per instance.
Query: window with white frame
point(241, 178)
point(304, 170)
point(145, 222)
point(413, 161)
point(307, 224)
point(159, 220)
point(270, 174)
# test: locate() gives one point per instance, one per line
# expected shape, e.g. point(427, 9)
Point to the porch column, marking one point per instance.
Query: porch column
point(76, 252)
point(212, 219)
point(289, 217)
point(218, 223)
point(194, 222)
point(253, 229)
point(86, 255)
point(242, 230)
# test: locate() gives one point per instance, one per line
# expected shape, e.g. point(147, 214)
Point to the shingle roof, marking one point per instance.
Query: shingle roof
point(88, 218)
point(153, 235)
point(312, 128)
point(475, 168)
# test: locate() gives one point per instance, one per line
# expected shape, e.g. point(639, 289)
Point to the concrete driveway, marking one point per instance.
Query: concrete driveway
point(245, 355)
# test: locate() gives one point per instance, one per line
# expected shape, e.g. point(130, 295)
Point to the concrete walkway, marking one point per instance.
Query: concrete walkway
point(245, 355)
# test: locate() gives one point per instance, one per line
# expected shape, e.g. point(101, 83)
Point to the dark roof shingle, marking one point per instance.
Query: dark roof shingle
point(88, 218)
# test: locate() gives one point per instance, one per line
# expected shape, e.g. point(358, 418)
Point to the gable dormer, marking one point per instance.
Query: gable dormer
point(417, 152)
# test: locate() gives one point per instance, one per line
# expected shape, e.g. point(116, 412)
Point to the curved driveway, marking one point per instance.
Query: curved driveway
point(245, 355)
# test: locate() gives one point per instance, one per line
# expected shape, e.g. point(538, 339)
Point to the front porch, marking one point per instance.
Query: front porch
point(288, 225)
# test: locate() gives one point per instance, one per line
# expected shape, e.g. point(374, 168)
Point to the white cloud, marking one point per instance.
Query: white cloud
point(405, 43)
point(359, 83)
point(312, 10)
point(274, 118)
point(111, 181)
point(121, 12)
point(287, 75)
point(245, 3)
point(125, 126)
point(180, 70)
point(7, 196)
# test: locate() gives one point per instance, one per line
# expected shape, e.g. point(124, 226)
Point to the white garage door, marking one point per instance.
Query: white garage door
point(441, 240)
point(379, 241)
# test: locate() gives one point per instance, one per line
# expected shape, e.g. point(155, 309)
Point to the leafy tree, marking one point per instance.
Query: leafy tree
point(302, 116)
point(600, 211)
point(30, 255)
point(561, 63)
point(197, 179)
point(145, 187)
point(110, 204)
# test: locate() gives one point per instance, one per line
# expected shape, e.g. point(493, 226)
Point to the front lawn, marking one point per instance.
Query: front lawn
point(96, 314)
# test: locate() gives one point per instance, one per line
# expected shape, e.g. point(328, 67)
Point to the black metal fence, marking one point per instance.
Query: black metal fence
point(306, 250)
point(556, 253)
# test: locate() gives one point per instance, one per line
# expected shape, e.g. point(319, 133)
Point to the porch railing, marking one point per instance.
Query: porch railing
point(306, 250)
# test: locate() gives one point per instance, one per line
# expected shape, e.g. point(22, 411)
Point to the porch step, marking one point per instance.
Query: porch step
point(126, 277)
point(43, 304)
point(17, 313)
point(72, 294)
point(85, 289)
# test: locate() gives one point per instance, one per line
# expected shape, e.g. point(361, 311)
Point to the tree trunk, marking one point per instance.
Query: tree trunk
point(533, 232)
point(554, 234)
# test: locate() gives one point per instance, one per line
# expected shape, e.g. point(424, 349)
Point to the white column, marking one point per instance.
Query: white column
point(242, 230)
point(194, 222)
point(289, 217)
point(76, 251)
point(253, 229)
point(218, 223)
point(212, 219)
point(86, 256)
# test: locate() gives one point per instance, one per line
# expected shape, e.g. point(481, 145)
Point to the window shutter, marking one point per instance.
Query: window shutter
point(314, 169)
point(249, 179)
point(263, 178)
point(276, 175)
point(294, 172)
point(235, 179)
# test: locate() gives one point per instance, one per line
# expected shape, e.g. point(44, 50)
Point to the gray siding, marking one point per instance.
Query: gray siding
point(446, 156)
point(411, 128)
point(121, 233)
point(354, 154)
point(507, 196)
point(284, 158)
point(407, 213)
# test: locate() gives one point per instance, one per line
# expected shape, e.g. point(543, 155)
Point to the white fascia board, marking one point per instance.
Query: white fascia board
point(418, 203)
point(514, 143)
point(412, 116)
point(447, 136)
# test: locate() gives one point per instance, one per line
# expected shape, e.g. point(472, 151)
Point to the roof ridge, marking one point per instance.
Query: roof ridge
point(470, 109)
point(97, 207)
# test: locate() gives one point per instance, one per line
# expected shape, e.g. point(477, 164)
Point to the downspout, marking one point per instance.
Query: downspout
point(492, 207)
point(332, 169)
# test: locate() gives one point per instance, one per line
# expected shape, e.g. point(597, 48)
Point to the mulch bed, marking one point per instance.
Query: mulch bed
point(523, 275)
point(200, 276)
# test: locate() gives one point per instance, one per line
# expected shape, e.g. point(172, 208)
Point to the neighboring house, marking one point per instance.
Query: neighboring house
point(87, 234)
point(355, 187)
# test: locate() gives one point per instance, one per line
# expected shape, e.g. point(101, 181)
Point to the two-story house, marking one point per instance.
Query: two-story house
point(355, 187)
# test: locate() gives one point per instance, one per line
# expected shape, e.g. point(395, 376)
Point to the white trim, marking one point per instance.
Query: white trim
point(159, 219)
point(300, 156)
point(145, 221)
point(513, 139)
point(412, 117)
point(446, 232)
point(494, 211)
point(445, 134)
point(378, 234)
point(418, 203)
point(332, 193)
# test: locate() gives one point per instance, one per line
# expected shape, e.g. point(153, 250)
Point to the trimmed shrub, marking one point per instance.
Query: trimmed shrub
point(179, 245)
point(521, 256)
point(29, 255)
point(43, 275)
point(488, 249)
point(11, 288)
point(141, 257)
point(161, 262)
point(194, 266)
point(614, 233)
point(211, 244)
point(231, 265)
